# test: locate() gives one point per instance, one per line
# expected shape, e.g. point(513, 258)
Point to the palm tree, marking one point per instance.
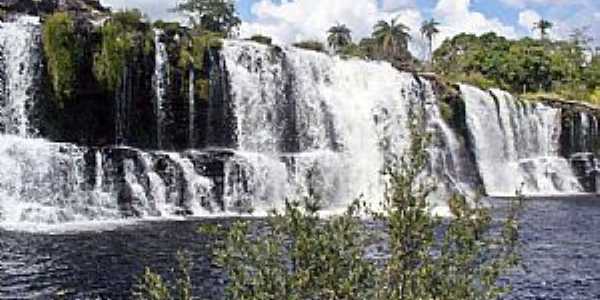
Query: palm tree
point(543, 26)
point(428, 30)
point(391, 37)
point(339, 37)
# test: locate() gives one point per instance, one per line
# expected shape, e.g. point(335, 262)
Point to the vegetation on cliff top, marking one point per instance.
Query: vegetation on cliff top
point(120, 36)
point(211, 15)
point(63, 53)
point(522, 66)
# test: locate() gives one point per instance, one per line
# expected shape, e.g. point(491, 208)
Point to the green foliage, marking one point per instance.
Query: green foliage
point(353, 50)
point(429, 29)
point(261, 39)
point(151, 286)
point(211, 15)
point(302, 256)
point(197, 45)
point(119, 36)
point(339, 37)
point(167, 26)
point(310, 45)
point(446, 111)
point(520, 66)
point(392, 39)
point(63, 53)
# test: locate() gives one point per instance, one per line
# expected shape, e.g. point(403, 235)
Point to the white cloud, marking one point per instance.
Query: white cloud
point(292, 21)
point(528, 18)
point(525, 3)
point(154, 9)
point(395, 5)
point(456, 17)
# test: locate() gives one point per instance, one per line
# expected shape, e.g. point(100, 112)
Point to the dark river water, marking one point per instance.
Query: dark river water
point(561, 254)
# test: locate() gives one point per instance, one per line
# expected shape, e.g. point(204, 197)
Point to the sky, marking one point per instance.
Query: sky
point(289, 21)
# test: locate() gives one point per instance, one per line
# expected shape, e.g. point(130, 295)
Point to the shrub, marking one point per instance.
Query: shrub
point(311, 45)
point(194, 48)
point(261, 39)
point(151, 286)
point(297, 254)
point(301, 256)
point(63, 53)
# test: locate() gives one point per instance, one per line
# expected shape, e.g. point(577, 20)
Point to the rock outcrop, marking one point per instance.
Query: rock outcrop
point(37, 7)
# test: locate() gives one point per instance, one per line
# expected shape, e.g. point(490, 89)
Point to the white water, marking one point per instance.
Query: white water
point(197, 194)
point(306, 125)
point(517, 145)
point(42, 182)
point(161, 76)
point(348, 117)
point(191, 109)
point(19, 45)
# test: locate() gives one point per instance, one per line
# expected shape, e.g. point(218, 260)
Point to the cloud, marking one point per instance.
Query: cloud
point(528, 18)
point(456, 16)
point(154, 9)
point(293, 21)
point(526, 3)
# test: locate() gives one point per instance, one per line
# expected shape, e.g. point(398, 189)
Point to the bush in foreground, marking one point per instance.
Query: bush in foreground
point(400, 252)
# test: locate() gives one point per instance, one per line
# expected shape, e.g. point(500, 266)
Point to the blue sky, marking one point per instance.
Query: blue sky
point(292, 20)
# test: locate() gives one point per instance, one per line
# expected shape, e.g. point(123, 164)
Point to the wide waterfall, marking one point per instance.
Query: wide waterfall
point(304, 124)
point(517, 145)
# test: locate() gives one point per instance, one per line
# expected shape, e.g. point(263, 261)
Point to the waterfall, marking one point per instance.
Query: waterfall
point(157, 189)
point(197, 194)
point(99, 170)
point(161, 77)
point(42, 182)
point(20, 60)
point(586, 128)
point(311, 124)
point(517, 145)
point(191, 109)
point(303, 124)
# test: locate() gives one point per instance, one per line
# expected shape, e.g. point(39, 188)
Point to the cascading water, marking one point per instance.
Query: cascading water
point(517, 145)
point(20, 60)
point(306, 124)
point(42, 182)
point(191, 109)
point(317, 125)
point(161, 75)
point(197, 197)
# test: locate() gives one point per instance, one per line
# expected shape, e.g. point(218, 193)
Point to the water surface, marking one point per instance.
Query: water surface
point(561, 253)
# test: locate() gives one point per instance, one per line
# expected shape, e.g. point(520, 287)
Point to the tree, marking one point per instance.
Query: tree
point(429, 29)
point(339, 37)
point(391, 37)
point(299, 255)
point(211, 15)
point(543, 26)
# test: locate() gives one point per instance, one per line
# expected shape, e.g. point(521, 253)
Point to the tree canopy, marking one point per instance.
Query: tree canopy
point(525, 65)
point(211, 15)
